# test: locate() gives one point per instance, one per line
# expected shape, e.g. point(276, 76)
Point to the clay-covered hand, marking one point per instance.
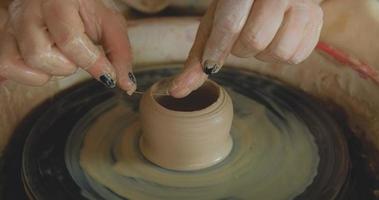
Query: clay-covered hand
point(271, 30)
point(44, 38)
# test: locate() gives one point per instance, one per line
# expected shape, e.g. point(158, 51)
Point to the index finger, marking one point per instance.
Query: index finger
point(228, 21)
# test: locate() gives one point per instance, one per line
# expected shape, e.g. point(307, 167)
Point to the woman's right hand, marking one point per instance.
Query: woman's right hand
point(276, 31)
point(45, 38)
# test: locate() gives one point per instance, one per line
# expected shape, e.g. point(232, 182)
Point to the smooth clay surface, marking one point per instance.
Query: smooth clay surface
point(269, 160)
point(189, 133)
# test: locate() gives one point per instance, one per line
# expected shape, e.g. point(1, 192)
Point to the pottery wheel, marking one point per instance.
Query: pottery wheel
point(285, 147)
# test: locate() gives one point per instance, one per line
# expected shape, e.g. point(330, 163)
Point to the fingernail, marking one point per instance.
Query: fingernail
point(174, 89)
point(132, 77)
point(132, 84)
point(296, 59)
point(107, 80)
point(185, 92)
point(172, 85)
point(211, 67)
point(130, 91)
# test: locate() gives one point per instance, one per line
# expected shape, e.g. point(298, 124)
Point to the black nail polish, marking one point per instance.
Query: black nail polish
point(107, 80)
point(210, 67)
point(132, 77)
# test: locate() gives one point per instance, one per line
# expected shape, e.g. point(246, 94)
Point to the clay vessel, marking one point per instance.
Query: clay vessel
point(189, 133)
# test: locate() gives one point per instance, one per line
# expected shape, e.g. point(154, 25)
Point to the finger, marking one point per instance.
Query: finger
point(310, 38)
point(193, 76)
point(67, 30)
point(261, 26)
point(117, 46)
point(229, 18)
point(12, 66)
point(35, 45)
point(289, 36)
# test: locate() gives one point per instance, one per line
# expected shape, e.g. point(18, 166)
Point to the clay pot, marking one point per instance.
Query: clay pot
point(189, 133)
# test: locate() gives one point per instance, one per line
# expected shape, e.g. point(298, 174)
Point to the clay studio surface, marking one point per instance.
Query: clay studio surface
point(253, 130)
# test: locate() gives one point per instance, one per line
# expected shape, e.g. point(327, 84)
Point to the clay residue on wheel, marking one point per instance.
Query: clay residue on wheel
point(272, 158)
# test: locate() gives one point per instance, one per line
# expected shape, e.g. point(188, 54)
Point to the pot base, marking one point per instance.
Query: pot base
point(284, 145)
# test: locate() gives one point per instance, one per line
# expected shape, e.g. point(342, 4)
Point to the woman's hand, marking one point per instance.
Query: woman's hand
point(44, 38)
point(271, 30)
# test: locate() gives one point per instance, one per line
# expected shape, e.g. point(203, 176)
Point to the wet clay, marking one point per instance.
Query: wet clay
point(197, 100)
point(272, 158)
point(186, 134)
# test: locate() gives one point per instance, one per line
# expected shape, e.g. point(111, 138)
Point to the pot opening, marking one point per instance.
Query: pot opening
point(199, 99)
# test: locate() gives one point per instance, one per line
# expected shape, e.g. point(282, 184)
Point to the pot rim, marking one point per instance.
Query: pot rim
point(212, 109)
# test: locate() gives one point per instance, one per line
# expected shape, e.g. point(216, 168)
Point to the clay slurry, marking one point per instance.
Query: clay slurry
point(199, 99)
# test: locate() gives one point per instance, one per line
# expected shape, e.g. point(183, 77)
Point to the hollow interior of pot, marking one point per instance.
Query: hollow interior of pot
point(197, 100)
